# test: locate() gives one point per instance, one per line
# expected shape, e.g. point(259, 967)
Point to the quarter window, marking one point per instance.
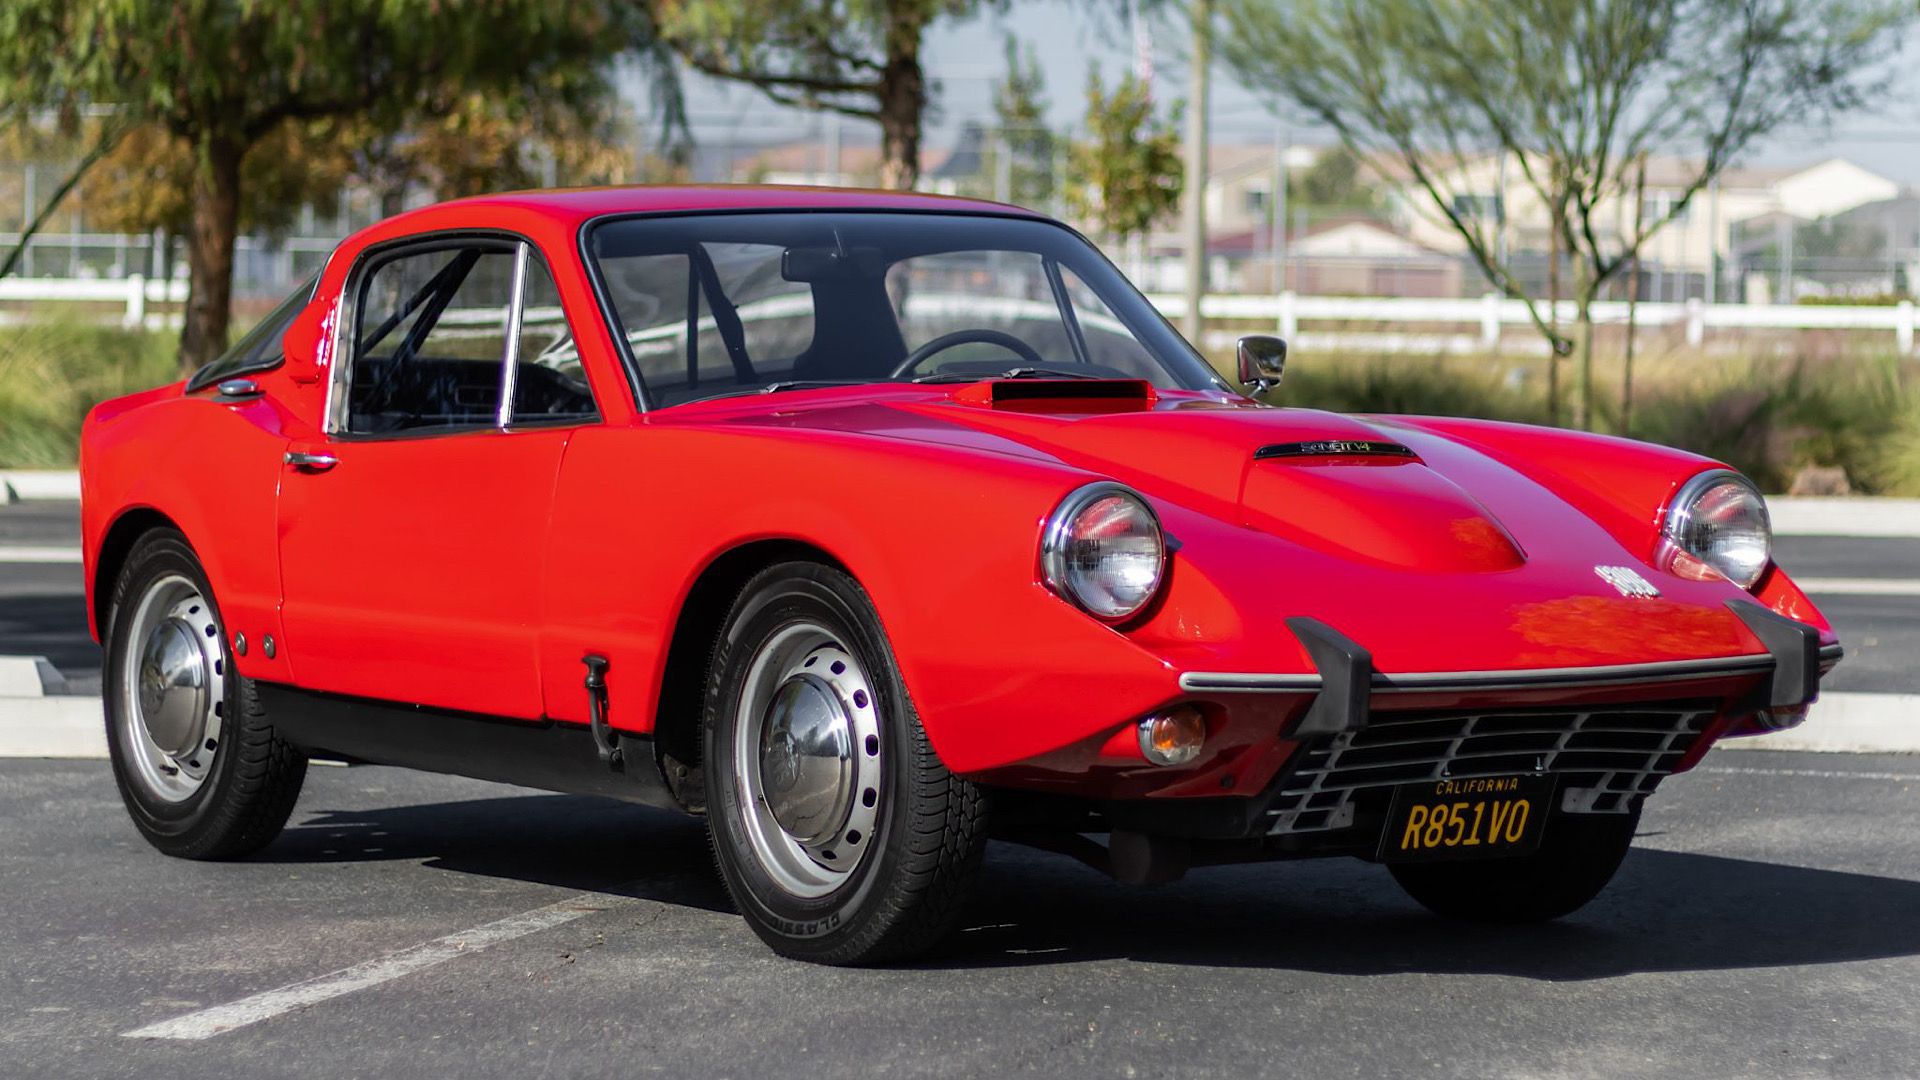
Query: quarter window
point(549, 384)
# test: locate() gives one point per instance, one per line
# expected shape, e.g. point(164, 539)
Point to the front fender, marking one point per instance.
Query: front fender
point(945, 541)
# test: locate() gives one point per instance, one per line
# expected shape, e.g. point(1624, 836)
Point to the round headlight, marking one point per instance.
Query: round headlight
point(1719, 518)
point(1103, 551)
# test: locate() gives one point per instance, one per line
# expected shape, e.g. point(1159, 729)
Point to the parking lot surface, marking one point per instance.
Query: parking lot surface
point(1767, 924)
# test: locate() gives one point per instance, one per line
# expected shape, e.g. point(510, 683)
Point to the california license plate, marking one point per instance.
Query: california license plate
point(1466, 818)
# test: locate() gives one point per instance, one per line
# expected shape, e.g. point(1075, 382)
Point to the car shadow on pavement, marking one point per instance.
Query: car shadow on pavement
point(576, 842)
point(1666, 911)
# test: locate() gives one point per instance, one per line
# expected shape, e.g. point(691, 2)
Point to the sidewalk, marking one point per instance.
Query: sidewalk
point(1864, 516)
point(1849, 723)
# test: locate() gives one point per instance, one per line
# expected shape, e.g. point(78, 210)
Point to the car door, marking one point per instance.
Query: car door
point(412, 532)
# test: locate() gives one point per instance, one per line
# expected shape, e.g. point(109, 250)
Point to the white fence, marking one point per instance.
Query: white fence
point(1286, 312)
point(1491, 314)
point(133, 293)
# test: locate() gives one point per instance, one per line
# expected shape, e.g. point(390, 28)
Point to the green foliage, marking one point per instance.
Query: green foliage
point(146, 183)
point(1333, 182)
point(1768, 417)
point(859, 58)
point(1128, 174)
point(52, 372)
point(220, 76)
point(1893, 299)
point(1574, 94)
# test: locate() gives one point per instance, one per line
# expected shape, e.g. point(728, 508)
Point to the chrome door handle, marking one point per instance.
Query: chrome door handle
point(311, 463)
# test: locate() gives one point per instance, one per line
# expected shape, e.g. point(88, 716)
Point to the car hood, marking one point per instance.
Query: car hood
point(1296, 511)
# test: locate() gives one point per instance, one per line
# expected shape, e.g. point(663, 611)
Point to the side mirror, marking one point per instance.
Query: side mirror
point(1261, 360)
point(308, 342)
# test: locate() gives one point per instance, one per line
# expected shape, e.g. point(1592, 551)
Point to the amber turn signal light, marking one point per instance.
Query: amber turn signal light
point(1173, 737)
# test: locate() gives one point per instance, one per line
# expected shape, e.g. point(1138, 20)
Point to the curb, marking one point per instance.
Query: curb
point(18, 485)
point(52, 727)
point(1848, 723)
point(1857, 516)
point(1843, 723)
point(1866, 516)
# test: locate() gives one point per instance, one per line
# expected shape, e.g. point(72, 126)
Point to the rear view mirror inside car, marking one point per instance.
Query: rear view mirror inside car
point(831, 264)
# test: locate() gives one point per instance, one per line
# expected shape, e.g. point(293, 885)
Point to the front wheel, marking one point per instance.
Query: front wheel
point(199, 766)
point(840, 835)
point(1577, 858)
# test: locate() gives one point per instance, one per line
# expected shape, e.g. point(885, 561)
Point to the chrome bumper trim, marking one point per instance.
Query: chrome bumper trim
point(1515, 679)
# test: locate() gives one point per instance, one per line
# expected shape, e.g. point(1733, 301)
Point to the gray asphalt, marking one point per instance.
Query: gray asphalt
point(1767, 924)
point(42, 611)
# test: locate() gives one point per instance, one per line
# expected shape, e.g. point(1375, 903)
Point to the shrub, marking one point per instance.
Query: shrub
point(52, 372)
point(1767, 416)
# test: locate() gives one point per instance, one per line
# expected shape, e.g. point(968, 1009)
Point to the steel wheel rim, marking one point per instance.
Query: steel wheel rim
point(172, 689)
point(809, 815)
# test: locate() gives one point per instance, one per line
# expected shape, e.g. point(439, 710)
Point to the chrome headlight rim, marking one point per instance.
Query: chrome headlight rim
point(1677, 518)
point(1057, 538)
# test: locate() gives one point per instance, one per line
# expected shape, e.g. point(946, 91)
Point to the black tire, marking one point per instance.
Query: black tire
point(255, 777)
point(930, 831)
point(1577, 858)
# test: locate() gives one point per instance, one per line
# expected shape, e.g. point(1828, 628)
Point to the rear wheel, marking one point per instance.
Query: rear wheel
point(1577, 858)
point(840, 835)
point(198, 764)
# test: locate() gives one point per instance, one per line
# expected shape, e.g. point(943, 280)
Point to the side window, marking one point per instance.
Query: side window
point(430, 333)
point(548, 381)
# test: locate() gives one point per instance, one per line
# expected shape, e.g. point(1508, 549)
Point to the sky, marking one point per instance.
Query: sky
point(964, 59)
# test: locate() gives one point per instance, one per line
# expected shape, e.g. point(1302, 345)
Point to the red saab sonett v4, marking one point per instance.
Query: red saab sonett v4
point(873, 525)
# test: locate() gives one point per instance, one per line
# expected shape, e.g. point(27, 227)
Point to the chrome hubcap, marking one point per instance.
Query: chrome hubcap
point(172, 689)
point(808, 760)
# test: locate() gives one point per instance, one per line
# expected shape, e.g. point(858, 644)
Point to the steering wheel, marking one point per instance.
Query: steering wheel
point(982, 336)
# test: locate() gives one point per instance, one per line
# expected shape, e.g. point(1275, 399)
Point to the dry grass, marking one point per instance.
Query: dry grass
point(52, 372)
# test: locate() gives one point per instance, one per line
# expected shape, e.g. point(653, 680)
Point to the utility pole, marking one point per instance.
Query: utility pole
point(1278, 244)
point(1199, 86)
point(1713, 240)
point(1783, 238)
point(833, 148)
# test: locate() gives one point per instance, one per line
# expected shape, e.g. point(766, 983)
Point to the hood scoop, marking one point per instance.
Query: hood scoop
point(1333, 448)
point(1059, 395)
point(1382, 504)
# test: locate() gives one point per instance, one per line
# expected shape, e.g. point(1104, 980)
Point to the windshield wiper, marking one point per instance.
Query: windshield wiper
point(788, 384)
point(1010, 373)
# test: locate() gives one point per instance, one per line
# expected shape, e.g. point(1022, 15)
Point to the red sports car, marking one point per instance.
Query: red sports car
point(873, 525)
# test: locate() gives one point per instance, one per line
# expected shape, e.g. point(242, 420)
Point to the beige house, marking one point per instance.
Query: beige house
point(1493, 191)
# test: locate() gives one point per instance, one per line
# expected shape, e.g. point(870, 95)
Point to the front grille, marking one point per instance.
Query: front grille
point(1607, 756)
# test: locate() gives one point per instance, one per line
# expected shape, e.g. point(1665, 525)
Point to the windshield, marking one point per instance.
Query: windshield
point(716, 304)
point(260, 348)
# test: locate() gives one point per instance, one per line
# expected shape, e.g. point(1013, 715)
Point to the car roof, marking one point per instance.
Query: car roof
point(580, 204)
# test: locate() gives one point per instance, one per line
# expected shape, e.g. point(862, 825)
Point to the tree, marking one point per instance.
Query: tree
point(1570, 93)
point(1020, 110)
point(146, 182)
point(474, 142)
point(859, 58)
point(1127, 175)
point(1333, 182)
point(224, 75)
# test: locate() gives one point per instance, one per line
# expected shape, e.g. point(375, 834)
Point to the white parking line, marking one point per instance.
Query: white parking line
point(39, 554)
point(1823, 774)
point(220, 1019)
point(1854, 586)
